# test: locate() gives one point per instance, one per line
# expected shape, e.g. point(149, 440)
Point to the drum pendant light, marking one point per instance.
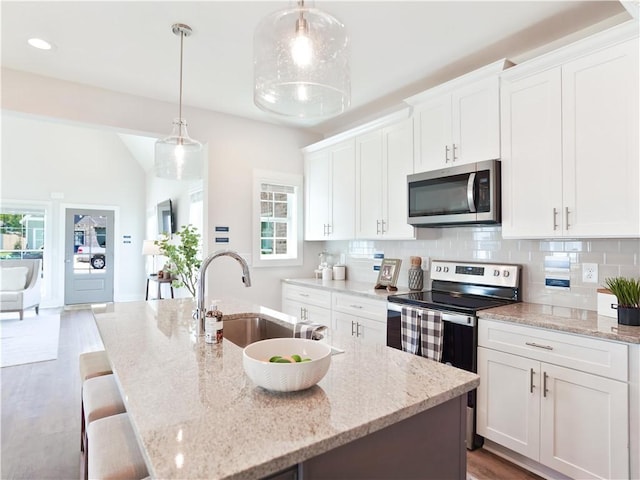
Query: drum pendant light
point(301, 64)
point(179, 157)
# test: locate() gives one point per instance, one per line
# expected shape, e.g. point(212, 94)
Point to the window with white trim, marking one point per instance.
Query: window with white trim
point(277, 223)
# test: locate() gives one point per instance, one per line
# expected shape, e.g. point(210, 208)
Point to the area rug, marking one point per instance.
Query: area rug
point(34, 339)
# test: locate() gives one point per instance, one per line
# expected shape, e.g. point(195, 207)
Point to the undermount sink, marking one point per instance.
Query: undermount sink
point(244, 330)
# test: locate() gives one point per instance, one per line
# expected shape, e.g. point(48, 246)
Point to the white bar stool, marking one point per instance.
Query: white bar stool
point(101, 398)
point(114, 451)
point(92, 364)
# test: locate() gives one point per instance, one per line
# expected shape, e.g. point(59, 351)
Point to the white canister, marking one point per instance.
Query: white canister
point(327, 274)
point(339, 272)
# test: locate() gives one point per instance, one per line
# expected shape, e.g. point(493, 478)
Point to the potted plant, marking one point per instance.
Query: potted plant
point(627, 292)
point(183, 262)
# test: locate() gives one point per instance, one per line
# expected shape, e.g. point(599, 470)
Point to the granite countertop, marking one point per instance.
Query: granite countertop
point(197, 415)
point(362, 289)
point(564, 319)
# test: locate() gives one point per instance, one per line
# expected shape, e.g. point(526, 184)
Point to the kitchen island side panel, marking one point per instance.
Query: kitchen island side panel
point(429, 445)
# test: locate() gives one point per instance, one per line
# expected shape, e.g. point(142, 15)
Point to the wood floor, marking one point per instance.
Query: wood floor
point(41, 414)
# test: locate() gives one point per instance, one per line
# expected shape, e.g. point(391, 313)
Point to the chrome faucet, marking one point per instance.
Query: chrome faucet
point(201, 311)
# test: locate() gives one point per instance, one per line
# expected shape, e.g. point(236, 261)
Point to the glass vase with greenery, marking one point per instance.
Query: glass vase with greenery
point(183, 261)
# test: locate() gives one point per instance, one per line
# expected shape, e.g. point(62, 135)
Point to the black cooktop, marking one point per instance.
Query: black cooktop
point(448, 301)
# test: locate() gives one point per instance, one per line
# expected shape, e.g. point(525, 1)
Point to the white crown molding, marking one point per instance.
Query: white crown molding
point(488, 71)
point(381, 122)
point(607, 38)
point(633, 7)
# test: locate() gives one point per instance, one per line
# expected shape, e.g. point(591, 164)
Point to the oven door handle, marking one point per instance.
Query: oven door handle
point(459, 318)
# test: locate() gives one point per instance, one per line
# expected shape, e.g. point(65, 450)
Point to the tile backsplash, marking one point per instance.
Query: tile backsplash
point(485, 244)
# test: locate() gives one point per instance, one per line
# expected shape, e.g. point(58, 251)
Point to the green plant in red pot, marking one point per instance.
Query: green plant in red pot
point(627, 291)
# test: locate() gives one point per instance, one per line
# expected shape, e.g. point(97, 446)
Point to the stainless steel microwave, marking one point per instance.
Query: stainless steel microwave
point(463, 195)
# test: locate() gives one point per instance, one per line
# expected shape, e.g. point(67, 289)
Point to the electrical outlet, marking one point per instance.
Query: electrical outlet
point(590, 272)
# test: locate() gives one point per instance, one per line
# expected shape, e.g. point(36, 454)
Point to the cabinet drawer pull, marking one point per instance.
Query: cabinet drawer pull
point(454, 152)
point(555, 219)
point(355, 306)
point(377, 227)
point(358, 325)
point(446, 153)
point(353, 328)
point(383, 225)
point(566, 217)
point(537, 345)
point(531, 372)
point(544, 384)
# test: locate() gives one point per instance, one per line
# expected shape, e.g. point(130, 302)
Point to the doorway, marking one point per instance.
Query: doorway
point(89, 259)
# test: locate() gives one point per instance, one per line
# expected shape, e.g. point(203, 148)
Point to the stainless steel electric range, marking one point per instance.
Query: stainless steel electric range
point(458, 291)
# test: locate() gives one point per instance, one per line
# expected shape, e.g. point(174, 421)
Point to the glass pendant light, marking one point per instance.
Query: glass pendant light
point(301, 64)
point(178, 156)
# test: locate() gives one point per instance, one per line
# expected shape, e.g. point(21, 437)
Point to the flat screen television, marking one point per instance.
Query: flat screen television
point(166, 219)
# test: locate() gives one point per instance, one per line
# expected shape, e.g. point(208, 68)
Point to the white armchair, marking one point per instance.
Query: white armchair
point(19, 285)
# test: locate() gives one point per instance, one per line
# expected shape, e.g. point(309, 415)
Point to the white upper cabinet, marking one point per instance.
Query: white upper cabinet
point(570, 157)
point(384, 158)
point(330, 193)
point(532, 156)
point(458, 122)
point(600, 145)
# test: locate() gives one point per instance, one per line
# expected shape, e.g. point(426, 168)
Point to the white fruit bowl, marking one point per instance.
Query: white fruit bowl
point(286, 377)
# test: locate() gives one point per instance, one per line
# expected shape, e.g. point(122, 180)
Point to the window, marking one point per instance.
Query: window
point(277, 223)
point(21, 233)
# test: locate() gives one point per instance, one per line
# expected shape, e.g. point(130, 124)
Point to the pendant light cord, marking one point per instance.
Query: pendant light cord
point(180, 101)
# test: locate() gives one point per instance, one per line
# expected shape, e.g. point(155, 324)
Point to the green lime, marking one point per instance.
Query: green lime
point(305, 360)
point(275, 358)
point(297, 358)
point(281, 360)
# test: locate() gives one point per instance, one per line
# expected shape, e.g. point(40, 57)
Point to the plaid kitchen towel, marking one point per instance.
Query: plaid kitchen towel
point(309, 330)
point(410, 329)
point(431, 335)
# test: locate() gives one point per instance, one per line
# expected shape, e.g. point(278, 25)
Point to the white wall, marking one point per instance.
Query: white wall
point(87, 168)
point(235, 146)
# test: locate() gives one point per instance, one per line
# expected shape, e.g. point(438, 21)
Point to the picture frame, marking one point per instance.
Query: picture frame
point(389, 271)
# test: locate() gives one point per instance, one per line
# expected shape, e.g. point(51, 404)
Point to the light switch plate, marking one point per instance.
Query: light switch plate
point(590, 272)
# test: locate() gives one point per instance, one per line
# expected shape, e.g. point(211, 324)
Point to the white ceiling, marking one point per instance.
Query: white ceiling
point(397, 48)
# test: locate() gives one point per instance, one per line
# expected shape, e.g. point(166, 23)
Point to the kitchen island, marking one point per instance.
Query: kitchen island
point(378, 411)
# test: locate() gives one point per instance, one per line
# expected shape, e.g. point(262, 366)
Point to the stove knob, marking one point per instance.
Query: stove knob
point(505, 273)
point(446, 269)
point(496, 273)
point(438, 269)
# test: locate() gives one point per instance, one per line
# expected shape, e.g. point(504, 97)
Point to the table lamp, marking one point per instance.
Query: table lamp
point(149, 247)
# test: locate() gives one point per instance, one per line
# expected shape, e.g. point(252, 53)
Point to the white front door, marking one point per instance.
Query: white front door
point(89, 242)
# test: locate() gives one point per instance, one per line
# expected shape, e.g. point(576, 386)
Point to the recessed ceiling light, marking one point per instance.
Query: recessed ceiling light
point(39, 44)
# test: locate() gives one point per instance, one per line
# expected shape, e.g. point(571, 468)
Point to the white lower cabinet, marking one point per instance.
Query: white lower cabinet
point(361, 317)
point(307, 304)
point(571, 421)
point(369, 331)
point(364, 318)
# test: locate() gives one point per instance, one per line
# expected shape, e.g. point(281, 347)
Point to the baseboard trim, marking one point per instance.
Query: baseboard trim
point(524, 462)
